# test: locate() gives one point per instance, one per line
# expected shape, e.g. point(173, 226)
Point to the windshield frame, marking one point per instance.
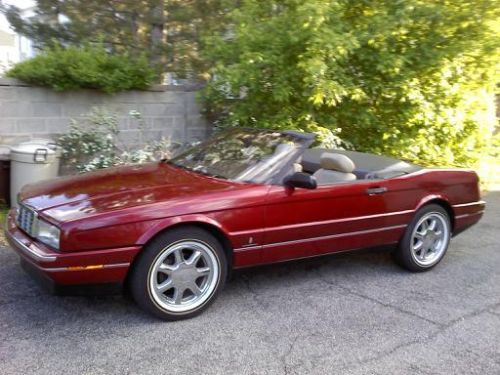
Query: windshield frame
point(302, 140)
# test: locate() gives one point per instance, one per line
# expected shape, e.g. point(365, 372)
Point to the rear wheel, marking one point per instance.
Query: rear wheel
point(179, 273)
point(426, 239)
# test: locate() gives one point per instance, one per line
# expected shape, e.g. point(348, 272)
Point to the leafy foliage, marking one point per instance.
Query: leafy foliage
point(96, 144)
point(87, 67)
point(413, 79)
point(169, 32)
point(188, 23)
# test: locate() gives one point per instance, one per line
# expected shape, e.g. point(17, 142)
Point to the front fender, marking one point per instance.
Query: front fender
point(166, 223)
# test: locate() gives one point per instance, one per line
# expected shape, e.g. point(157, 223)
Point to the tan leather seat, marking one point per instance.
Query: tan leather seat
point(335, 168)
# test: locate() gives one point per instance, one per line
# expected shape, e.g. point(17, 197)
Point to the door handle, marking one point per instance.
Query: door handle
point(376, 190)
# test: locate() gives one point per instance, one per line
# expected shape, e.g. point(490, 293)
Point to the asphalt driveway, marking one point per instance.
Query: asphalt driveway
point(352, 314)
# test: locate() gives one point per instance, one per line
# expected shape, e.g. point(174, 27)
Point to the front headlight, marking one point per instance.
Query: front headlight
point(48, 234)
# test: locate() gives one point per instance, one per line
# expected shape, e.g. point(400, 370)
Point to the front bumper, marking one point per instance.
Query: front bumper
point(70, 268)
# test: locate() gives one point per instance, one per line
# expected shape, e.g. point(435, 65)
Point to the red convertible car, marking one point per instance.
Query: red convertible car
point(173, 230)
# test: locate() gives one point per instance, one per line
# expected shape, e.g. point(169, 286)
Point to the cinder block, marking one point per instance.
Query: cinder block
point(14, 139)
point(7, 126)
point(170, 97)
point(179, 121)
point(57, 125)
point(153, 135)
point(161, 123)
point(153, 109)
point(8, 93)
point(28, 111)
point(124, 97)
point(16, 109)
point(71, 109)
point(51, 136)
point(123, 123)
point(174, 109)
point(46, 109)
point(39, 94)
point(150, 109)
point(143, 123)
point(192, 103)
point(131, 137)
point(31, 125)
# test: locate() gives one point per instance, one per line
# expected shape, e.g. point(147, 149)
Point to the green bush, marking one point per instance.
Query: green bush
point(412, 79)
point(90, 67)
point(95, 143)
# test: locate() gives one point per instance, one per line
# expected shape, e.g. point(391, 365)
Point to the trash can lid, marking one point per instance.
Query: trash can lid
point(40, 141)
point(32, 153)
point(44, 142)
point(5, 152)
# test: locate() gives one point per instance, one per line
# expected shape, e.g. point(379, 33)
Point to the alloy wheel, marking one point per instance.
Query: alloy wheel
point(429, 239)
point(184, 276)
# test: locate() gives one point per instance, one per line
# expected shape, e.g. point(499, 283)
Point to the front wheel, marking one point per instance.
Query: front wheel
point(426, 239)
point(179, 273)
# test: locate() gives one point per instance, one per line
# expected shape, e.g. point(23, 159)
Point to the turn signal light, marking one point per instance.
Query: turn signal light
point(79, 268)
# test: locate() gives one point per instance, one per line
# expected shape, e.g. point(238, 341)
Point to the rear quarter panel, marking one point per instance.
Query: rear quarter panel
point(458, 188)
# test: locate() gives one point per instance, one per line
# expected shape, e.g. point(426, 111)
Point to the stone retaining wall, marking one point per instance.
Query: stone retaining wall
point(28, 112)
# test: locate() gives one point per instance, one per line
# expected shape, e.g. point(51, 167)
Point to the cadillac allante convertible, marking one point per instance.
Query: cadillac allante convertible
point(172, 231)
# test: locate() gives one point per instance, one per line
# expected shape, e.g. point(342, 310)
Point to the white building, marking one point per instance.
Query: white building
point(14, 47)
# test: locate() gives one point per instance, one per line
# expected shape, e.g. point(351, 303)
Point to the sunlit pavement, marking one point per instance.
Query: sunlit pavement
point(352, 314)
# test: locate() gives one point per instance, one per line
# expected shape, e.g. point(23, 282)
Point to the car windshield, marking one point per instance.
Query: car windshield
point(247, 155)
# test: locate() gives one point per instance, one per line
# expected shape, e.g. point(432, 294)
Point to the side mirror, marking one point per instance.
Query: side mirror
point(301, 180)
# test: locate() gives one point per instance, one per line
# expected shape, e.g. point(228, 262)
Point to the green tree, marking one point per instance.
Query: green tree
point(189, 24)
point(411, 78)
point(170, 32)
point(134, 27)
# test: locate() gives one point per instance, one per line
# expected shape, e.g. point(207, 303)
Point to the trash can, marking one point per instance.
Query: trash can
point(5, 175)
point(50, 144)
point(30, 163)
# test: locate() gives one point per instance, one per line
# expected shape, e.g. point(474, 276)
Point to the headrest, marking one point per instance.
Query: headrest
point(336, 162)
point(297, 167)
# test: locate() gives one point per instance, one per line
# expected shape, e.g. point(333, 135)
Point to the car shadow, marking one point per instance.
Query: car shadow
point(34, 305)
point(358, 260)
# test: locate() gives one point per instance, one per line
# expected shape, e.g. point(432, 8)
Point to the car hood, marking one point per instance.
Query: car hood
point(71, 198)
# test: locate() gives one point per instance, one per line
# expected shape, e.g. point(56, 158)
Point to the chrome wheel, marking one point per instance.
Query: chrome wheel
point(429, 239)
point(183, 276)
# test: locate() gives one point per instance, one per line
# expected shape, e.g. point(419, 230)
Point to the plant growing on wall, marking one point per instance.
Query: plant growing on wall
point(90, 67)
point(413, 79)
point(96, 143)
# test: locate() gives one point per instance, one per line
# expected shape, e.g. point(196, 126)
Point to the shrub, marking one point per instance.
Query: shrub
point(412, 79)
point(90, 67)
point(96, 143)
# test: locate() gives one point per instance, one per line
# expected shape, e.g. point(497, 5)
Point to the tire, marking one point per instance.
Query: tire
point(425, 240)
point(179, 273)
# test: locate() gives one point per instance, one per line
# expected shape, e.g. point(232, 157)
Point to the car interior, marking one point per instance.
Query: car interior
point(332, 166)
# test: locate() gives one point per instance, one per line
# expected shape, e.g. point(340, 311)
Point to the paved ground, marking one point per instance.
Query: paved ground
point(352, 314)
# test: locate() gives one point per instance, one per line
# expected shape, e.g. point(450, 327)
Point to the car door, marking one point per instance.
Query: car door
point(331, 218)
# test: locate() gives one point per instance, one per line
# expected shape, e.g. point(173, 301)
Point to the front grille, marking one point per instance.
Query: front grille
point(27, 219)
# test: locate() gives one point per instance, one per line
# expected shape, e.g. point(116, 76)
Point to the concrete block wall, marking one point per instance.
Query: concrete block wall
point(28, 112)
